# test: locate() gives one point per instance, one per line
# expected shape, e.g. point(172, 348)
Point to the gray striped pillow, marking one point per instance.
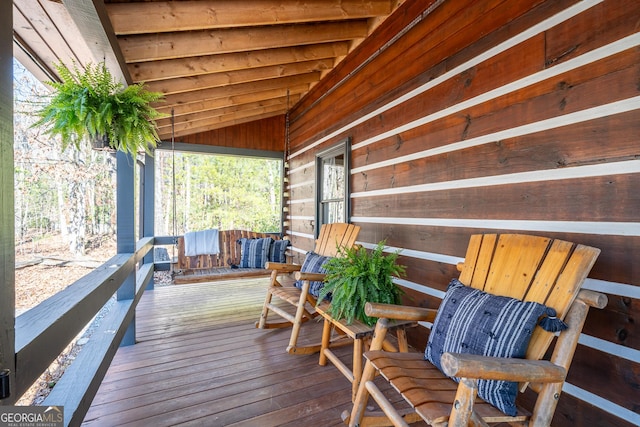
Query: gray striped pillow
point(475, 322)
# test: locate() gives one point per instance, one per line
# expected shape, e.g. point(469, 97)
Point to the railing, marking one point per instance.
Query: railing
point(43, 332)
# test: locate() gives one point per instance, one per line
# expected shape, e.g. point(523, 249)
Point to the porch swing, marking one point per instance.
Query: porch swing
point(240, 254)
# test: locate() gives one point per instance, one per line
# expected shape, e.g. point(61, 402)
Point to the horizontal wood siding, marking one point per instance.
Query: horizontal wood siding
point(267, 134)
point(470, 116)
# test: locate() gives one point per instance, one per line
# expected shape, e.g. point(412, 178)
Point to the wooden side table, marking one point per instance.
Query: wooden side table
point(358, 332)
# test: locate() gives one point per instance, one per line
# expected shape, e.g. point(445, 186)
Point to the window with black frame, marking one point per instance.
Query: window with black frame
point(332, 184)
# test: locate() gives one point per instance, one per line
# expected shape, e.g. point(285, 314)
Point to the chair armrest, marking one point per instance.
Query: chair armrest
point(400, 312)
point(592, 298)
point(313, 277)
point(281, 266)
point(500, 368)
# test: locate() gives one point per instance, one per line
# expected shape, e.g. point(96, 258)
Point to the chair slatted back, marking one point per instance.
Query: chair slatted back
point(334, 236)
point(530, 268)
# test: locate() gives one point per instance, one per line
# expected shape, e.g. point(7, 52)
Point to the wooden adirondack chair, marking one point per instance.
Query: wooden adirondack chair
point(528, 268)
point(331, 237)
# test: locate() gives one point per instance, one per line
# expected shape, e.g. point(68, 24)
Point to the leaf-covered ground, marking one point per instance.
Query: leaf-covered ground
point(45, 267)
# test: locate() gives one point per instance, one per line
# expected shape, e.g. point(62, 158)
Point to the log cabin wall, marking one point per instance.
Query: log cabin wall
point(471, 116)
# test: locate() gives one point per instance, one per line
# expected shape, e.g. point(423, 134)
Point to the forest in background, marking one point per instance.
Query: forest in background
point(72, 193)
point(65, 213)
point(214, 191)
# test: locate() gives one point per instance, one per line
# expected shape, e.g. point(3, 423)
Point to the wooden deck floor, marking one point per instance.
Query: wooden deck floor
point(200, 361)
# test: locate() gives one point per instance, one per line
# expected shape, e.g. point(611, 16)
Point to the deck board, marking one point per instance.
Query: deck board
point(199, 360)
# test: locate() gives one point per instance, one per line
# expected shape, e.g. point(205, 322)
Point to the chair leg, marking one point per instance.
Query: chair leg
point(462, 410)
point(262, 323)
point(295, 332)
point(362, 396)
point(326, 340)
point(368, 374)
point(394, 417)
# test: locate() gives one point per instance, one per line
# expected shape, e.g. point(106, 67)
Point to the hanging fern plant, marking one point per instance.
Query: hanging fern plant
point(358, 276)
point(89, 104)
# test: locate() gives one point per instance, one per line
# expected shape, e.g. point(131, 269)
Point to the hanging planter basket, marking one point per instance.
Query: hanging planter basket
point(101, 143)
point(89, 101)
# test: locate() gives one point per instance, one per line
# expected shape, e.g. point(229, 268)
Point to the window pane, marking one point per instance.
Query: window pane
point(332, 184)
point(333, 212)
point(333, 178)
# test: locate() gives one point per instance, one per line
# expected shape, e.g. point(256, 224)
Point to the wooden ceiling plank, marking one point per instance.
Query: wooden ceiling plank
point(204, 115)
point(28, 36)
point(243, 88)
point(210, 104)
point(39, 25)
point(197, 43)
point(167, 137)
point(58, 13)
point(185, 67)
point(224, 121)
point(31, 62)
point(169, 16)
point(92, 21)
point(281, 101)
point(186, 84)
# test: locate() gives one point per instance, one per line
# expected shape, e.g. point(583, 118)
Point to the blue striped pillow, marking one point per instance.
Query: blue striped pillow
point(278, 250)
point(313, 263)
point(254, 253)
point(475, 322)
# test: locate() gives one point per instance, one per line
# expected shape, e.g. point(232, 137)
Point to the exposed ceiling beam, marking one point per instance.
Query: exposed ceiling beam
point(218, 62)
point(31, 61)
point(90, 16)
point(183, 67)
point(242, 88)
point(211, 104)
point(221, 122)
point(203, 119)
point(153, 47)
point(168, 16)
point(186, 84)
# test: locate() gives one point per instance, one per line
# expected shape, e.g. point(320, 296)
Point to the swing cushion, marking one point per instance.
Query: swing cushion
point(254, 253)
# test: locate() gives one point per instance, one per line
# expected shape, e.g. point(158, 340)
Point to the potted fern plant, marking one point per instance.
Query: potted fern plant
point(90, 106)
point(358, 276)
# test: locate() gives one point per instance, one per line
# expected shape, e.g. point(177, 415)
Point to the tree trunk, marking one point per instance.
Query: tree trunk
point(62, 218)
point(187, 196)
point(77, 217)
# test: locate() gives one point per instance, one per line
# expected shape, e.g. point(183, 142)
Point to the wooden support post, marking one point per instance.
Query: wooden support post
point(148, 207)
point(125, 206)
point(7, 220)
